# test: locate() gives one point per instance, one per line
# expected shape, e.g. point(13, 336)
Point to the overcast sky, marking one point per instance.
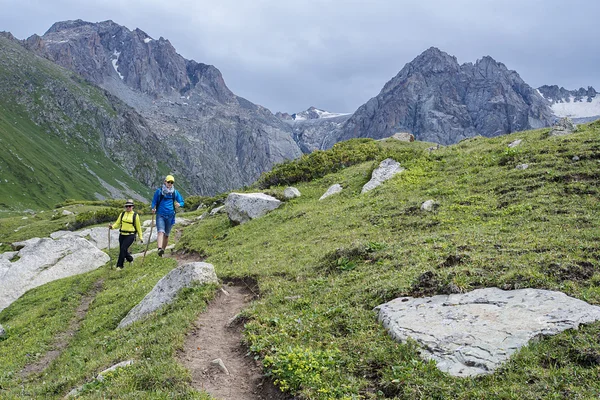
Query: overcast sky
point(335, 55)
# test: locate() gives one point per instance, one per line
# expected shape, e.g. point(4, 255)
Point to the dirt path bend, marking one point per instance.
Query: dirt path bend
point(216, 335)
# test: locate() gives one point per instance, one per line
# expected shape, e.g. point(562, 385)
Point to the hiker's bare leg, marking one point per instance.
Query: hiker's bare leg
point(165, 241)
point(159, 240)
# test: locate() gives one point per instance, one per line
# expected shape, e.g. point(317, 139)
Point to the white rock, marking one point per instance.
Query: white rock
point(333, 189)
point(386, 170)
point(291, 192)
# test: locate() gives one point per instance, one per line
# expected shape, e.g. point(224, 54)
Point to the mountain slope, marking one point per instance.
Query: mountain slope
point(64, 138)
point(220, 141)
point(320, 267)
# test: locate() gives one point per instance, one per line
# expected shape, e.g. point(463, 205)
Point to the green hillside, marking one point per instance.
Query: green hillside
point(50, 136)
point(321, 266)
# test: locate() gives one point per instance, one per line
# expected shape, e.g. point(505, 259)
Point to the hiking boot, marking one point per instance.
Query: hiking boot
point(160, 252)
point(119, 267)
point(129, 258)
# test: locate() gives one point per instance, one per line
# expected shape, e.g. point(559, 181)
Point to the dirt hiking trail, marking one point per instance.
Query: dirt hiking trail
point(217, 335)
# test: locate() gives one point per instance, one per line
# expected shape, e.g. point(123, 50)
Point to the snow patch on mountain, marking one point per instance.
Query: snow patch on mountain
point(577, 108)
point(315, 113)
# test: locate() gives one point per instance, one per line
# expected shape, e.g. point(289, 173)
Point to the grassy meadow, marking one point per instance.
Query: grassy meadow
point(321, 267)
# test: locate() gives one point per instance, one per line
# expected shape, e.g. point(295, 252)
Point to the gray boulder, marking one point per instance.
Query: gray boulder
point(515, 143)
point(333, 189)
point(403, 136)
point(563, 126)
point(165, 291)
point(217, 210)
point(386, 170)
point(474, 333)
point(45, 260)
point(242, 207)
point(429, 205)
point(291, 193)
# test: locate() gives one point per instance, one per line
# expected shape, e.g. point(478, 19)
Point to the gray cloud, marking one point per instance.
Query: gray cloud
point(334, 54)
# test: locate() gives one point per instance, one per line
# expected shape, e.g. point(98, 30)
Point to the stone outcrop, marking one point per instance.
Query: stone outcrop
point(386, 170)
point(474, 333)
point(242, 207)
point(165, 291)
point(45, 260)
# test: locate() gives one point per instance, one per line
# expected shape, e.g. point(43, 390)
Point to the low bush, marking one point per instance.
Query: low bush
point(320, 163)
point(95, 217)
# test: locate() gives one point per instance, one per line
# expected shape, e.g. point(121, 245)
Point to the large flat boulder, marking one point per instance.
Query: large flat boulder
point(42, 260)
point(165, 291)
point(474, 333)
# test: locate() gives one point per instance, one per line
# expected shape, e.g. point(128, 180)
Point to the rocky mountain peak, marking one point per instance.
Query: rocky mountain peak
point(432, 61)
point(438, 100)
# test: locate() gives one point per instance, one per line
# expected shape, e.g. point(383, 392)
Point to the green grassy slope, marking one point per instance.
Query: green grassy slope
point(321, 267)
point(47, 156)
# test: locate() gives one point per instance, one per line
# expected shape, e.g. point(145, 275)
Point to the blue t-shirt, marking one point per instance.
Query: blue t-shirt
point(166, 206)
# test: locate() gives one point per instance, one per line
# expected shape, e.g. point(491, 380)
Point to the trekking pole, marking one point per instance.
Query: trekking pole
point(149, 237)
point(109, 247)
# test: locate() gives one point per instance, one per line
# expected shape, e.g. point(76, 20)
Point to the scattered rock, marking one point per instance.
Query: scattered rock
point(429, 205)
point(219, 363)
point(515, 143)
point(403, 136)
point(217, 210)
point(562, 127)
point(333, 189)
point(291, 192)
point(2, 332)
point(122, 364)
point(386, 170)
point(522, 166)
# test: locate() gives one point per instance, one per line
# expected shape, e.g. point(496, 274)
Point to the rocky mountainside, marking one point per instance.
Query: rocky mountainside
point(65, 138)
point(219, 141)
point(438, 100)
point(582, 105)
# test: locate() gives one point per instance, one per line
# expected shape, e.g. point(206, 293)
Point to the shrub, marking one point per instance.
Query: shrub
point(95, 217)
point(191, 203)
point(321, 162)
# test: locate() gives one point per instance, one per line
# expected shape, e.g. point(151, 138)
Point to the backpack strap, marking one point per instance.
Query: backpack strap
point(162, 196)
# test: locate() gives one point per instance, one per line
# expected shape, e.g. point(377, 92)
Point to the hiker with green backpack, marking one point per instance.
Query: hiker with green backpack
point(128, 224)
point(165, 203)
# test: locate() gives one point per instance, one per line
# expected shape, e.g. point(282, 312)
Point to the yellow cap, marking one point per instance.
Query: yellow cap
point(169, 178)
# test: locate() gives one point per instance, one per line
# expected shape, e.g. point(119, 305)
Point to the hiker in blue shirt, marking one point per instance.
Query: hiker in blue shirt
point(164, 204)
